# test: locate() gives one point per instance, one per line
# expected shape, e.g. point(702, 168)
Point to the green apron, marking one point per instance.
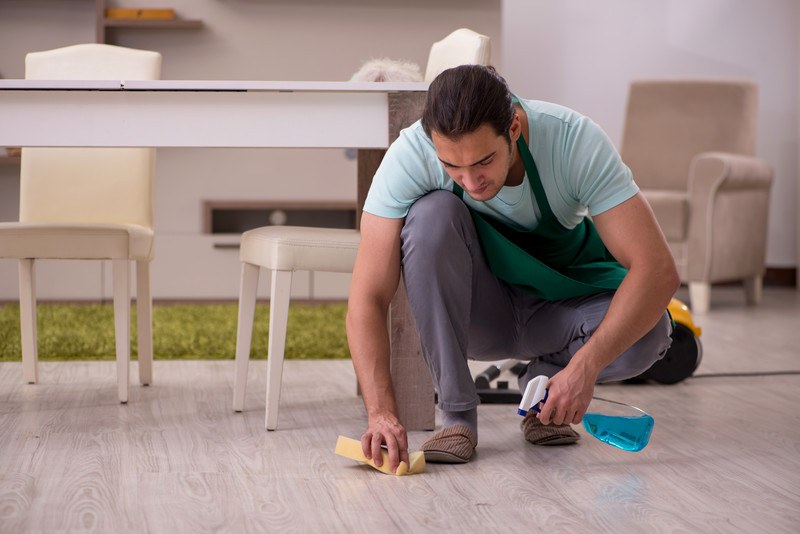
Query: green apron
point(551, 261)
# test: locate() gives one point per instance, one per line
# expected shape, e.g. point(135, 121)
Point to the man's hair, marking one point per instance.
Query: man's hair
point(460, 100)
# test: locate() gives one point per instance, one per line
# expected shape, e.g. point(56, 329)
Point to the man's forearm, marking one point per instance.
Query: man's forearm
point(636, 307)
point(368, 337)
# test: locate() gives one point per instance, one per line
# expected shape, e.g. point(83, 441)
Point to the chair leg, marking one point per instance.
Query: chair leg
point(278, 318)
point(753, 290)
point(122, 323)
point(700, 297)
point(144, 322)
point(27, 319)
point(244, 334)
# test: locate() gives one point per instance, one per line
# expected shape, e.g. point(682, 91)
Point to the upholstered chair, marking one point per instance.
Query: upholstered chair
point(692, 148)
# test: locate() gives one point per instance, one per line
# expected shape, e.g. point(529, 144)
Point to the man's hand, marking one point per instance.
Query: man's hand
point(571, 391)
point(385, 429)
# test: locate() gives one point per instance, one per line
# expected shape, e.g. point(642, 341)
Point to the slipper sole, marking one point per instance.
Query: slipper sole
point(444, 457)
point(451, 445)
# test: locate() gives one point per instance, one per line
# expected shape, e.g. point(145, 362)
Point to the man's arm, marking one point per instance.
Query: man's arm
point(632, 235)
point(374, 283)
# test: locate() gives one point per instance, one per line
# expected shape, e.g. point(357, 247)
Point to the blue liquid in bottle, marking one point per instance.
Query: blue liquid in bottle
point(630, 433)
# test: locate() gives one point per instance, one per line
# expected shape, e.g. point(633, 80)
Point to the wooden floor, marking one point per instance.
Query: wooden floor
point(724, 455)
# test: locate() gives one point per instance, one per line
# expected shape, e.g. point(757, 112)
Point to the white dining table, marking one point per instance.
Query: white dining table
point(197, 113)
point(217, 113)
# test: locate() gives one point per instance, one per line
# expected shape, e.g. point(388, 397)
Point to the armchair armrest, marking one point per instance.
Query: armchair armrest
point(711, 171)
point(728, 208)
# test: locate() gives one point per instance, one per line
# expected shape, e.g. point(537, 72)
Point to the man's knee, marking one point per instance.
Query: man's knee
point(643, 354)
point(437, 205)
point(434, 217)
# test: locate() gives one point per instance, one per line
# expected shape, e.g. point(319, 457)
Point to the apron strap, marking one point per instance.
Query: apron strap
point(534, 179)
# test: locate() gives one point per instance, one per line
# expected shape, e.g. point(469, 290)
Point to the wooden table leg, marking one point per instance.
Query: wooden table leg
point(412, 381)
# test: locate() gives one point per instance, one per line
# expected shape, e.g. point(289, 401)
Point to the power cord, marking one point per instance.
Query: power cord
point(752, 373)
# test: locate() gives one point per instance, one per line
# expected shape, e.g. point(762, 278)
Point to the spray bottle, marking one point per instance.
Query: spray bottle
point(621, 425)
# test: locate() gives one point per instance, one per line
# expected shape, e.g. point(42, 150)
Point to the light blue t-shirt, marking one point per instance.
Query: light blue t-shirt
point(580, 170)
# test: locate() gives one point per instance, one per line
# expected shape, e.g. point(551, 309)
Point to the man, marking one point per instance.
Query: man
point(484, 204)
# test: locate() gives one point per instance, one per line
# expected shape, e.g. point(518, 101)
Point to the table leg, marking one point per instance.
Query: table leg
point(410, 377)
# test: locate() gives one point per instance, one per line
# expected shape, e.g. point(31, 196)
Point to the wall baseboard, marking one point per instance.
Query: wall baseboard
point(781, 277)
point(773, 277)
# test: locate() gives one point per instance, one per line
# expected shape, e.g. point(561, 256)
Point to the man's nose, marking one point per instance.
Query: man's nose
point(471, 179)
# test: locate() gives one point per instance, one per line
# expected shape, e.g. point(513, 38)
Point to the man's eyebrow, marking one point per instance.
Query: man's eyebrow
point(448, 164)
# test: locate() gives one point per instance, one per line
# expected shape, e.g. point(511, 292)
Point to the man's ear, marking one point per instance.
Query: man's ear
point(515, 130)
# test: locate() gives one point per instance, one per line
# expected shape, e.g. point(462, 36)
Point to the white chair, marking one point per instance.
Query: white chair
point(285, 249)
point(461, 47)
point(88, 204)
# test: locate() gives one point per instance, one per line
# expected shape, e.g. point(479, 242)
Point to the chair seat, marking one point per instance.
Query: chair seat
point(295, 248)
point(671, 209)
point(75, 241)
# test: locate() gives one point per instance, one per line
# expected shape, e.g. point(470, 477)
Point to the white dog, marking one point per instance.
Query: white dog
point(387, 70)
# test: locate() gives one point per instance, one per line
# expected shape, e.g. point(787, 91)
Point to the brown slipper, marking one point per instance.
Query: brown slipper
point(452, 445)
point(541, 434)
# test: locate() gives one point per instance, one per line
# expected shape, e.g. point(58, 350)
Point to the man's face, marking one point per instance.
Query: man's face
point(479, 161)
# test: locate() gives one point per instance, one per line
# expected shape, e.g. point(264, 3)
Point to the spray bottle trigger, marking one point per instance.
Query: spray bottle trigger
point(535, 392)
point(535, 407)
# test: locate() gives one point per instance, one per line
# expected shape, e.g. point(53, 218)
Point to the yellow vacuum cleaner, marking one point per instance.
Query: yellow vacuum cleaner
point(685, 353)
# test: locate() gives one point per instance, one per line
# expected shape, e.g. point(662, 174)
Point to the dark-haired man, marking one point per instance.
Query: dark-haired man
point(485, 204)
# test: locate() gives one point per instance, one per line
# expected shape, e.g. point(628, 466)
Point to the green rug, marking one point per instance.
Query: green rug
point(180, 331)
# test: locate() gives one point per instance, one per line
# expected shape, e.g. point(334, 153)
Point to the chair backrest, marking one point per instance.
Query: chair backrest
point(667, 123)
point(89, 185)
point(462, 47)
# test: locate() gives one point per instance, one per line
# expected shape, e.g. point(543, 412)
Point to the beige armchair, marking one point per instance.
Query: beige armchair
point(691, 146)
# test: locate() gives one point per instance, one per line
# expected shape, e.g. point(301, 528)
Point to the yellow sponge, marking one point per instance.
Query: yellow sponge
point(351, 448)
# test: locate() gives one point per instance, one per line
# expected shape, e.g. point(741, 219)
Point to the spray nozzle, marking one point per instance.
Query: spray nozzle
point(535, 393)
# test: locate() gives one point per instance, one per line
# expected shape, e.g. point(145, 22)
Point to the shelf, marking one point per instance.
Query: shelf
point(174, 24)
point(103, 23)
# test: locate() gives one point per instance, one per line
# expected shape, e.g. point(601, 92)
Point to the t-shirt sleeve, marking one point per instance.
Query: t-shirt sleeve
point(408, 171)
point(599, 178)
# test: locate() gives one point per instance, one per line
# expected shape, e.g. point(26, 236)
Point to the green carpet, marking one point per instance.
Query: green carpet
point(180, 331)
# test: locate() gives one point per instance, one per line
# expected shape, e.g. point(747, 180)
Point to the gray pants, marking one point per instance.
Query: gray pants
point(463, 311)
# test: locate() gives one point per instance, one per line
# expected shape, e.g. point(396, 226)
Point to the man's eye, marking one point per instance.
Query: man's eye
point(485, 163)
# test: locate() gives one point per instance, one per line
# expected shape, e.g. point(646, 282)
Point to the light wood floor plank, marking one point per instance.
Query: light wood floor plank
point(724, 455)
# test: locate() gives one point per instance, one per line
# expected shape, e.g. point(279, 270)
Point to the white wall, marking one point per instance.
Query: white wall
point(584, 54)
